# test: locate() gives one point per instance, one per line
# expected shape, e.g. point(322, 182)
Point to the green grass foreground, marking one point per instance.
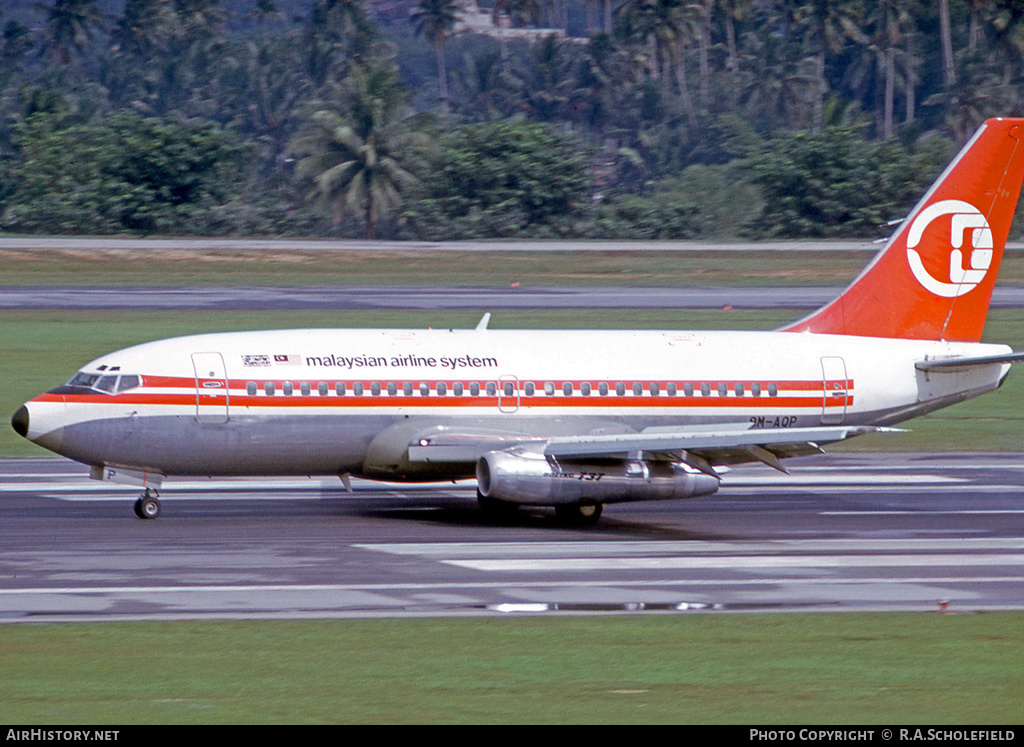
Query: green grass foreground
point(688, 668)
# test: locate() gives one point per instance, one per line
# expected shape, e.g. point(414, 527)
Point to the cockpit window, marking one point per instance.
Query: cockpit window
point(106, 384)
point(84, 379)
point(128, 382)
point(110, 383)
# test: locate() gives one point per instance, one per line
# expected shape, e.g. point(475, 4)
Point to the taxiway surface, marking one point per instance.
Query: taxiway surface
point(842, 532)
point(405, 297)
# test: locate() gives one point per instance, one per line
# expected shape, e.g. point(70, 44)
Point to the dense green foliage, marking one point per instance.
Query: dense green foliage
point(509, 177)
point(123, 173)
point(833, 183)
point(804, 118)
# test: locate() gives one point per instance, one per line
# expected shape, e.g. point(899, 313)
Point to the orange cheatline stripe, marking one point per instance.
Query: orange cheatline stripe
point(596, 402)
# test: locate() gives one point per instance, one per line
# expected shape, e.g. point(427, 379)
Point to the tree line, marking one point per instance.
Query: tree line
point(624, 119)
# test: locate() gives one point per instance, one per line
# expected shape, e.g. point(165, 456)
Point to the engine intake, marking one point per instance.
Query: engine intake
point(532, 478)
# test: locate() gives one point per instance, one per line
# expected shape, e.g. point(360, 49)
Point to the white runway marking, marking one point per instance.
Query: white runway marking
point(811, 562)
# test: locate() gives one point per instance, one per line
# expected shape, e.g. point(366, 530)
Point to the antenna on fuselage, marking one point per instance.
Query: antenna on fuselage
point(484, 321)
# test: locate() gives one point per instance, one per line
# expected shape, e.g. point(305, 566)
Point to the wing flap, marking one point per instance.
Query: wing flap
point(699, 447)
point(702, 442)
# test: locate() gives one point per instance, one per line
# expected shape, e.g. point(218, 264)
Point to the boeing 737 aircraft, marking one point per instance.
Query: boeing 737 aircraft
point(568, 419)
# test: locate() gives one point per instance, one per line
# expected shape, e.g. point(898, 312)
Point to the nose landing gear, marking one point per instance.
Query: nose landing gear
point(148, 505)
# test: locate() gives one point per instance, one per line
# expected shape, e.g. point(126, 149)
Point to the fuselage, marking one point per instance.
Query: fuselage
point(312, 402)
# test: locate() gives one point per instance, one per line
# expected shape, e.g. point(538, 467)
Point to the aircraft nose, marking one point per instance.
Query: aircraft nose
point(19, 421)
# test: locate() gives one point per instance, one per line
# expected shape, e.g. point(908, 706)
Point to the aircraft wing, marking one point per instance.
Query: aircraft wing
point(701, 448)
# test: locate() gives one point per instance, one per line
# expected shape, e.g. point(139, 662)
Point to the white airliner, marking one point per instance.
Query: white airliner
point(568, 419)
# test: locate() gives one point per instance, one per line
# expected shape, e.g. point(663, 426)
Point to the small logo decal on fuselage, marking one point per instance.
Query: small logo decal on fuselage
point(964, 219)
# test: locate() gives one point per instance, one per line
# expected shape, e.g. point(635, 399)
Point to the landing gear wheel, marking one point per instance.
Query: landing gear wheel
point(579, 514)
point(496, 509)
point(147, 506)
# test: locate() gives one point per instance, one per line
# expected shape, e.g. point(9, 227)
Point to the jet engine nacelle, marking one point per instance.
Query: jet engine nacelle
point(528, 477)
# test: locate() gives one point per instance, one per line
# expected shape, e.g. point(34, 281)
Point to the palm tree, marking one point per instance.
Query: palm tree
point(435, 19)
point(354, 162)
point(70, 26)
point(667, 27)
point(546, 84)
point(948, 71)
point(146, 28)
point(733, 11)
point(890, 19)
point(828, 26)
point(480, 86)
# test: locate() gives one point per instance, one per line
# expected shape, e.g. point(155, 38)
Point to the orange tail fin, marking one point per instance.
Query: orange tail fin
point(934, 279)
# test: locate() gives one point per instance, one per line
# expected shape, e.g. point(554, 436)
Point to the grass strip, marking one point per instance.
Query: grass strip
point(162, 267)
point(749, 669)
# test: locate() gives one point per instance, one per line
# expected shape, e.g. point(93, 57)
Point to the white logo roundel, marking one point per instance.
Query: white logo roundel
point(965, 217)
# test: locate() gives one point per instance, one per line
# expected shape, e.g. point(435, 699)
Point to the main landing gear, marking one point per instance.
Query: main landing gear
point(148, 505)
point(582, 514)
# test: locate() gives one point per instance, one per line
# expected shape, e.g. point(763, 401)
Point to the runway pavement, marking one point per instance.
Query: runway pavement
point(400, 297)
point(842, 532)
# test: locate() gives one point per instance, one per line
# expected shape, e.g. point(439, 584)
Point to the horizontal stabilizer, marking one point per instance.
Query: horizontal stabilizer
point(952, 365)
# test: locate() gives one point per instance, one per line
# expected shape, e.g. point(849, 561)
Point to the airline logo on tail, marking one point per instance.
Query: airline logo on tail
point(964, 218)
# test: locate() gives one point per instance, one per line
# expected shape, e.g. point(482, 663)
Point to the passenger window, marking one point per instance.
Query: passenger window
point(509, 388)
point(530, 389)
point(671, 389)
point(250, 388)
point(457, 389)
point(375, 388)
point(654, 389)
point(772, 390)
point(688, 389)
point(723, 389)
point(474, 388)
point(705, 389)
point(424, 389)
point(602, 388)
point(407, 388)
point(585, 388)
point(567, 388)
point(287, 388)
point(442, 388)
point(269, 388)
point(321, 388)
point(738, 389)
point(357, 389)
point(339, 388)
point(620, 389)
point(492, 390)
point(304, 388)
point(755, 389)
point(392, 389)
point(638, 389)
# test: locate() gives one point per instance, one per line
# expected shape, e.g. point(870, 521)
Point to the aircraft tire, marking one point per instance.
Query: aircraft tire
point(583, 514)
point(147, 507)
point(496, 509)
